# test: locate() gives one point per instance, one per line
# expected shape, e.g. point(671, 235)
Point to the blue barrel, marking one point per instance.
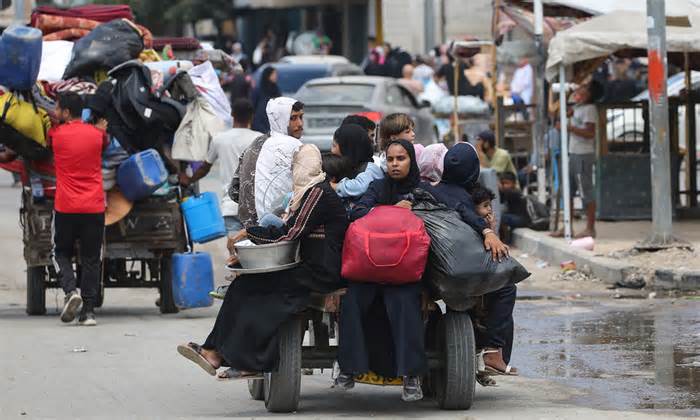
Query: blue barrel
point(203, 217)
point(141, 175)
point(193, 279)
point(20, 57)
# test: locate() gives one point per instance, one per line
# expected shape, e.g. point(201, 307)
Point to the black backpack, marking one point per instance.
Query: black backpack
point(538, 213)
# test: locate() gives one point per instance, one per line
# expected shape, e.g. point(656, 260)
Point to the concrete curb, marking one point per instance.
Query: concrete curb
point(554, 251)
point(610, 271)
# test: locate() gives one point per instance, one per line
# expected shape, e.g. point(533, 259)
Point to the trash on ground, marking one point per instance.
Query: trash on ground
point(79, 350)
point(568, 265)
point(541, 264)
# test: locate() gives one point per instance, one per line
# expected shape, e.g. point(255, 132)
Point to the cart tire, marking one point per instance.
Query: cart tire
point(282, 387)
point(36, 290)
point(167, 302)
point(455, 382)
point(100, 295)
point(256, 387)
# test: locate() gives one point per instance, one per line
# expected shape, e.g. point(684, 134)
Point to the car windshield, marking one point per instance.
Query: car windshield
point(336, 93)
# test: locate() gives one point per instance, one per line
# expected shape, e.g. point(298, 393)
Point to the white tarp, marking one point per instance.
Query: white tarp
point(600, 7)
point(602, 35)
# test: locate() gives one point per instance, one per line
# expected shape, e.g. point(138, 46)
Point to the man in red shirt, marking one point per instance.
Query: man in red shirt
point(79, 206)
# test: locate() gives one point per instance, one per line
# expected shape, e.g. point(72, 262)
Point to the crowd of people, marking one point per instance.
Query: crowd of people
point(286, 190)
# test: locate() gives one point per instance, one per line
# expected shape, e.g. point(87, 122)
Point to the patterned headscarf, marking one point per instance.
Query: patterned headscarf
point(306, 173)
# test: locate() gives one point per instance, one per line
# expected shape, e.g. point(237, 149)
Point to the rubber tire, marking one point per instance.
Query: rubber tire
point(167, 302)
point(256, 387)
point(36, 290)
point(283, 386)
point(455, 383)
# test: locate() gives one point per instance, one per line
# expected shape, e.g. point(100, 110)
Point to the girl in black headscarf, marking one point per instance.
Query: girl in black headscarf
point(267, 90)
point(371, 310)
point(352, 142)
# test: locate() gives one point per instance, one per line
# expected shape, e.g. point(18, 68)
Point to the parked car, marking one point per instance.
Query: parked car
point(294, 71)
point(327, 101)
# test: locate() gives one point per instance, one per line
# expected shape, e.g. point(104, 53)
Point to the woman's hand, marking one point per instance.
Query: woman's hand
point(405, 204)
point(499, 250)
point(239, 236)
point(232, 259)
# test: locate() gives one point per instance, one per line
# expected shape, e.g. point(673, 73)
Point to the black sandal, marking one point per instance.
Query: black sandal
point(193, 352)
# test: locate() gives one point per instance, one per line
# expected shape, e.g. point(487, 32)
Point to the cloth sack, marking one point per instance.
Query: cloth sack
point(196, 131)
point(465, 105)
point(207, 82)
point(105, 47)
point(55, 56)
point(459, 267)
point(31, 121)
point(387, 246)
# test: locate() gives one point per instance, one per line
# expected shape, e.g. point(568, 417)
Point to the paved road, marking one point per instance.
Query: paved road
point(586, 356)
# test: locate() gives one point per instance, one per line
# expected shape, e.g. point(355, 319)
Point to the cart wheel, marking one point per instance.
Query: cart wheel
point(167, 302)
point(256, 387)
point(454, 383)
point(36, 290)
point(282, 387)
point(100, 294)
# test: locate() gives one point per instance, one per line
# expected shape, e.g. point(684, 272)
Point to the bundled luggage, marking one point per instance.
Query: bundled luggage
point(387, 246)
point(96, 51)
point(459, 267)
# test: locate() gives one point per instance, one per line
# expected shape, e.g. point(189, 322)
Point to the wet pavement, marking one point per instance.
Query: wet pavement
point(625, 354)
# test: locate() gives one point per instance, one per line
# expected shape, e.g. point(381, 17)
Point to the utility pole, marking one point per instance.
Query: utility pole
point(538, 146)
point(661, 235)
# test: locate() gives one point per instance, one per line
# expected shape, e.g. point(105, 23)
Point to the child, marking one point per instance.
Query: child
point(482, 198)
point(515, 213)
point(336, 168)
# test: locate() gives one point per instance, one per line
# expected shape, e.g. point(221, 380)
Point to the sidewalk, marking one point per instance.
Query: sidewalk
point(614, 260)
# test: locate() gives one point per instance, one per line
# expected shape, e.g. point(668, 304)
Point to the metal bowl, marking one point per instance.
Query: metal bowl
point(269, 255)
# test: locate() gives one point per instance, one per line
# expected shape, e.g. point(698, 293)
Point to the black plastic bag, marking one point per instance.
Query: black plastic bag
point(104, 48)
point(459, 267)
point(538, 213)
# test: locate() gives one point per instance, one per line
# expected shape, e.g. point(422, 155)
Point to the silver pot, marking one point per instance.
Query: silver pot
point(269, 255)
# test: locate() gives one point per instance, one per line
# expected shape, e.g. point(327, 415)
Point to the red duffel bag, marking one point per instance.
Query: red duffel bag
point(387, 246)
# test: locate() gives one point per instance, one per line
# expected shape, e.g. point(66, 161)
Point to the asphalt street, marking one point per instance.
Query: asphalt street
point(583, 354)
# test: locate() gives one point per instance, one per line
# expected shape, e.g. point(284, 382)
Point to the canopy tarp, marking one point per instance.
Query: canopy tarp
point(599, 7)
point(621, 31)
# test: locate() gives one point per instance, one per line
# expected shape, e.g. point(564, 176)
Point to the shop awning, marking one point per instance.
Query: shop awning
point(615, 32)
point(281, 4)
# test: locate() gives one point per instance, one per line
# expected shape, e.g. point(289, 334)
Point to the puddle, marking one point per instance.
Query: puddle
point(625, 356)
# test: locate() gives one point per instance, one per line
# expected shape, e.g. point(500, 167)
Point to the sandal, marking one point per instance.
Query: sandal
point(232, 374)
point(482, 367)
point(193, 352)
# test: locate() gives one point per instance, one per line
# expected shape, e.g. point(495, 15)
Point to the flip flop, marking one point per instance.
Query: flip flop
point(193, 352)
point(232, 374)
point(507, 372)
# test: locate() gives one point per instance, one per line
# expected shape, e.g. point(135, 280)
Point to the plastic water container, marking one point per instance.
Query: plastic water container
point(203, 217)
point(20, 57)
point(193, 279)
point(141, 175)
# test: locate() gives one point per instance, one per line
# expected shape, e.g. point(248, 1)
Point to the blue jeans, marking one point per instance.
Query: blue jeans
point(514, 220)
point(271, 220)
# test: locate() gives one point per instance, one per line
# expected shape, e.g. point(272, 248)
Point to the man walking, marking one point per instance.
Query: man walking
point(79, 207)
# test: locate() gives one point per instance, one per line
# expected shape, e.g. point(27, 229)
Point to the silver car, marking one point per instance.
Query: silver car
point(328, 100)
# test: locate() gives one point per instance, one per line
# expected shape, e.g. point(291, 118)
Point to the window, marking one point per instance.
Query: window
point(336, 93)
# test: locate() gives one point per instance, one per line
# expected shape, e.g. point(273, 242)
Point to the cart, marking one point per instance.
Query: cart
point(138, 250)
point(450, 349)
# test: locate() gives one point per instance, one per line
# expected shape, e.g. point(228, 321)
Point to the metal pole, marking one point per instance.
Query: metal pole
point(538, 146)
point(19, 12)
point(564, 152)
point(661, 210)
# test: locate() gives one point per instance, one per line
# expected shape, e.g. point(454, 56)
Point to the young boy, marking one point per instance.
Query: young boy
point(482, 198)
point(515, 213)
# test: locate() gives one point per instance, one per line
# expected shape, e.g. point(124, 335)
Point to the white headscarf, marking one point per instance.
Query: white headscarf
point(307, 171)
point(279, 111)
